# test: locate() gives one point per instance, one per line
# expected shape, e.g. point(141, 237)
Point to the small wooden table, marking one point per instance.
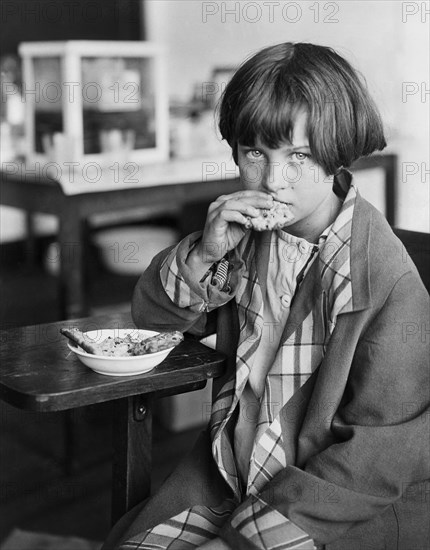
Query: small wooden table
point(40, 373)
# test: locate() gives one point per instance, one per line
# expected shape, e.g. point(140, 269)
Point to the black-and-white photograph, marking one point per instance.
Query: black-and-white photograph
point(215, 275)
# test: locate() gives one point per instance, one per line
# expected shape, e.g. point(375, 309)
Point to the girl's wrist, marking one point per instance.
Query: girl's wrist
point(196, 261)
point(207, 254)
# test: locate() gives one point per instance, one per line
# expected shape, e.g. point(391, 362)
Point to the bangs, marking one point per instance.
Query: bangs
point(262, 100)
point(269, 114)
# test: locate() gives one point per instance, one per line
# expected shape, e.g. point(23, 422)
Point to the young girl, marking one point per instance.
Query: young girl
point(318, 435)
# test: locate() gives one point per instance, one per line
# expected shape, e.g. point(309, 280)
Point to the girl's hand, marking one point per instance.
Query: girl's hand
point(225, 223)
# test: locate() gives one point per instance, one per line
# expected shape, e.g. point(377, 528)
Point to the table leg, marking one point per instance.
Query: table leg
point(132, 446)
point(30, 241)
point(72, 278)
point(71, 442)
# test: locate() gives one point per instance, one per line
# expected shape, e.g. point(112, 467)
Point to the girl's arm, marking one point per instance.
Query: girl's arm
point(170, 295)
point(177, 289)
point(151, 308)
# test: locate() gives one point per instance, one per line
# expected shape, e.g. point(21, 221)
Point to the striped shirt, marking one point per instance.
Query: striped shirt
point(289, 261)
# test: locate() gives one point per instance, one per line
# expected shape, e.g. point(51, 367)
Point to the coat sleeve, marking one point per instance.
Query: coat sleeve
point(168, 296)
point(383, 415)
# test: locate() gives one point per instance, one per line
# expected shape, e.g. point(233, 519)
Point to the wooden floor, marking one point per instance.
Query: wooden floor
point(36, 492)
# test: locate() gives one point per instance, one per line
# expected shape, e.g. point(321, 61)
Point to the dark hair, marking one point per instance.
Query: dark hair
point(262, 99)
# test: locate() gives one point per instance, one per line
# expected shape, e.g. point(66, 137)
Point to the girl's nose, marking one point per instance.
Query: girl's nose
point(278, 176)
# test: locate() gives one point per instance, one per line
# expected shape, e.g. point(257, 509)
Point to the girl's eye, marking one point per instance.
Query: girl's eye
point(254, 154)
point(300, 156)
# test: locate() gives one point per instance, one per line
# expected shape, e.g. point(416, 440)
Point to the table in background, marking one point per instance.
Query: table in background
point(175, 183)
point(39, 373)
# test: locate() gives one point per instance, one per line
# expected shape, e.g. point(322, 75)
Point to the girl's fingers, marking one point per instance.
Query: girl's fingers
point(239, 206)
point(244, 193)
point(248, 205)
point(258, 199)
point(233, 216)
point(234, 210)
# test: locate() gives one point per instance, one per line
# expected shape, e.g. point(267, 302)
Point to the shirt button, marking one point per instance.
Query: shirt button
point(285, 300)
point(303, 248)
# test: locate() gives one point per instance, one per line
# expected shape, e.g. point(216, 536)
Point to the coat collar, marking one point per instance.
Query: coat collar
point(360, 246)
point(356, 248)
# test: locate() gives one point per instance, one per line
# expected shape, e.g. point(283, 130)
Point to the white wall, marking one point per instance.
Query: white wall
point(388, 41)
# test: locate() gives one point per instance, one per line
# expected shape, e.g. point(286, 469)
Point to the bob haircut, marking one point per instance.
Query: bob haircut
point(263, 97)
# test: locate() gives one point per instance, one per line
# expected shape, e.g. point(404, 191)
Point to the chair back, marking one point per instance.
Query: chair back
point(418, 247)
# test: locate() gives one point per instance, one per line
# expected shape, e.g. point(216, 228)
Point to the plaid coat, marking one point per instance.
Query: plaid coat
point(344, 460)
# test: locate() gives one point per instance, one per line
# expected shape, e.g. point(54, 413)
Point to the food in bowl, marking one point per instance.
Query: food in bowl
point(129, 345)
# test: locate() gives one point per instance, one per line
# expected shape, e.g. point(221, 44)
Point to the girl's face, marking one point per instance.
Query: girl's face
point(290, 175)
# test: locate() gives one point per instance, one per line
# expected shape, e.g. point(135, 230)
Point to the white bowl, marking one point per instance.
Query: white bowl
point(129, 250)
point(119, 366)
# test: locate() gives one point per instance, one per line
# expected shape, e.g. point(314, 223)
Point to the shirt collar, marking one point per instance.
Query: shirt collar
point(300, 241)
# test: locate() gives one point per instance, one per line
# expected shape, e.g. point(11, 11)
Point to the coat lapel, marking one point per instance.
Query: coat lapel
point(303, 301)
